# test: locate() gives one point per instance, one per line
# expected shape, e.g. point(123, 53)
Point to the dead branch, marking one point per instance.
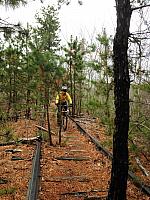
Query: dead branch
point(43, 129)
point(131, 101)
point(137, 146)
point(140, 7)
point(143, 32)
point(142, 126)
point(146, 173)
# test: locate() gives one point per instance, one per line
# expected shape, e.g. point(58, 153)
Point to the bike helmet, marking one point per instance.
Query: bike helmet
point(64, 88)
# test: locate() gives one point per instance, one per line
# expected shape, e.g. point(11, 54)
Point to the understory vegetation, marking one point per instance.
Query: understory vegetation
point(34, 65)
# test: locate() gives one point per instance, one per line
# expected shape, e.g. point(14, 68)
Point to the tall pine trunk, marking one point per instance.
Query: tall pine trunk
point(119, 174)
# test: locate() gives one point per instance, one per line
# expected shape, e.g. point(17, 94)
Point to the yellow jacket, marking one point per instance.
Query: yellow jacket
point(62, 97)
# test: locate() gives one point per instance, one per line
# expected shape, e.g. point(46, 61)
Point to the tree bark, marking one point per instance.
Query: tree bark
point(119, 173)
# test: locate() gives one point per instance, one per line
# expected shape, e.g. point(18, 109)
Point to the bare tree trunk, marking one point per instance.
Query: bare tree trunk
point(119, 174)
point(74, 91)
point(80, 98)
point(49, 127)
point(46, 105)
point(28, 110)
point(10, 94)
point(71, 90)
point(14, 98)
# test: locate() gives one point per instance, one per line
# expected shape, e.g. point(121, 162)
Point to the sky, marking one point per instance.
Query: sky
point(83, 21)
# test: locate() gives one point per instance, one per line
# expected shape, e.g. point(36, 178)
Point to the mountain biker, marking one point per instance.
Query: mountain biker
point(63, 98)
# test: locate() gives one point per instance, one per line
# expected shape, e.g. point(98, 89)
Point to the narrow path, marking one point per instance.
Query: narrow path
point(76, 170)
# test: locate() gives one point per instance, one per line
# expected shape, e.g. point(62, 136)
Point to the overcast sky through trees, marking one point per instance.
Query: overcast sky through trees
point(86, 20)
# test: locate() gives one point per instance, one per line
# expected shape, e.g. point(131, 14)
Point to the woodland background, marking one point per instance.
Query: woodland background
point(33, 66)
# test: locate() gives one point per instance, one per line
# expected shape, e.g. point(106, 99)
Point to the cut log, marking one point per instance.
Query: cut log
point(30, 140)
point(13, 150)
point(22, 140)
point(8, 143)
point(77, 150)
point(16, 158)
point(73, 158)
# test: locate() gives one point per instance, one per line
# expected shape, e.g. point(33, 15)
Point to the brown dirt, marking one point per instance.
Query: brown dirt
point(61, 179)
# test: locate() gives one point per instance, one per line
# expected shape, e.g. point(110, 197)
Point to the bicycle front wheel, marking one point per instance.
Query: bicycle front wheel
point(65, 122)
point(59, 133)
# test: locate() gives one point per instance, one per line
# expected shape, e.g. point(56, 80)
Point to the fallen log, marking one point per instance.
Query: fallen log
point(44, 129)
point(146, 173)
point(73, 158)
point(13, 150)
point(30, 140)
point(8, 143)
point(14, 158)
point(22, 140)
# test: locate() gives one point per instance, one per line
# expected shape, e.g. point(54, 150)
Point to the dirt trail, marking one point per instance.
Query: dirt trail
point(75, 170)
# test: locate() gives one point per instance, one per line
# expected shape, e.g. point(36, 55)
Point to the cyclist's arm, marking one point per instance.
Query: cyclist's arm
point(57, 99)
point(69, 98)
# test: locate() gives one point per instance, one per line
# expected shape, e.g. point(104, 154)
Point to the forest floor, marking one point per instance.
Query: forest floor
point(74, 170)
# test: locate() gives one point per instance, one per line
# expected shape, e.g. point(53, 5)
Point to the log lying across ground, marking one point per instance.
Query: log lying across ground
point(22, 140)
point(73, 158)
point(44, 129)
point(145, 172)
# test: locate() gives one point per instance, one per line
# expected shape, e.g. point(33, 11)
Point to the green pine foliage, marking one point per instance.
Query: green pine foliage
point(34, 66)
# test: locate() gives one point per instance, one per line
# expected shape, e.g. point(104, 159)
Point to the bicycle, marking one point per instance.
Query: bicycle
point(63, 120)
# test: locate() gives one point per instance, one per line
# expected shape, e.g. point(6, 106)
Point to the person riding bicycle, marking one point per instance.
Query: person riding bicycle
point(63, 98)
